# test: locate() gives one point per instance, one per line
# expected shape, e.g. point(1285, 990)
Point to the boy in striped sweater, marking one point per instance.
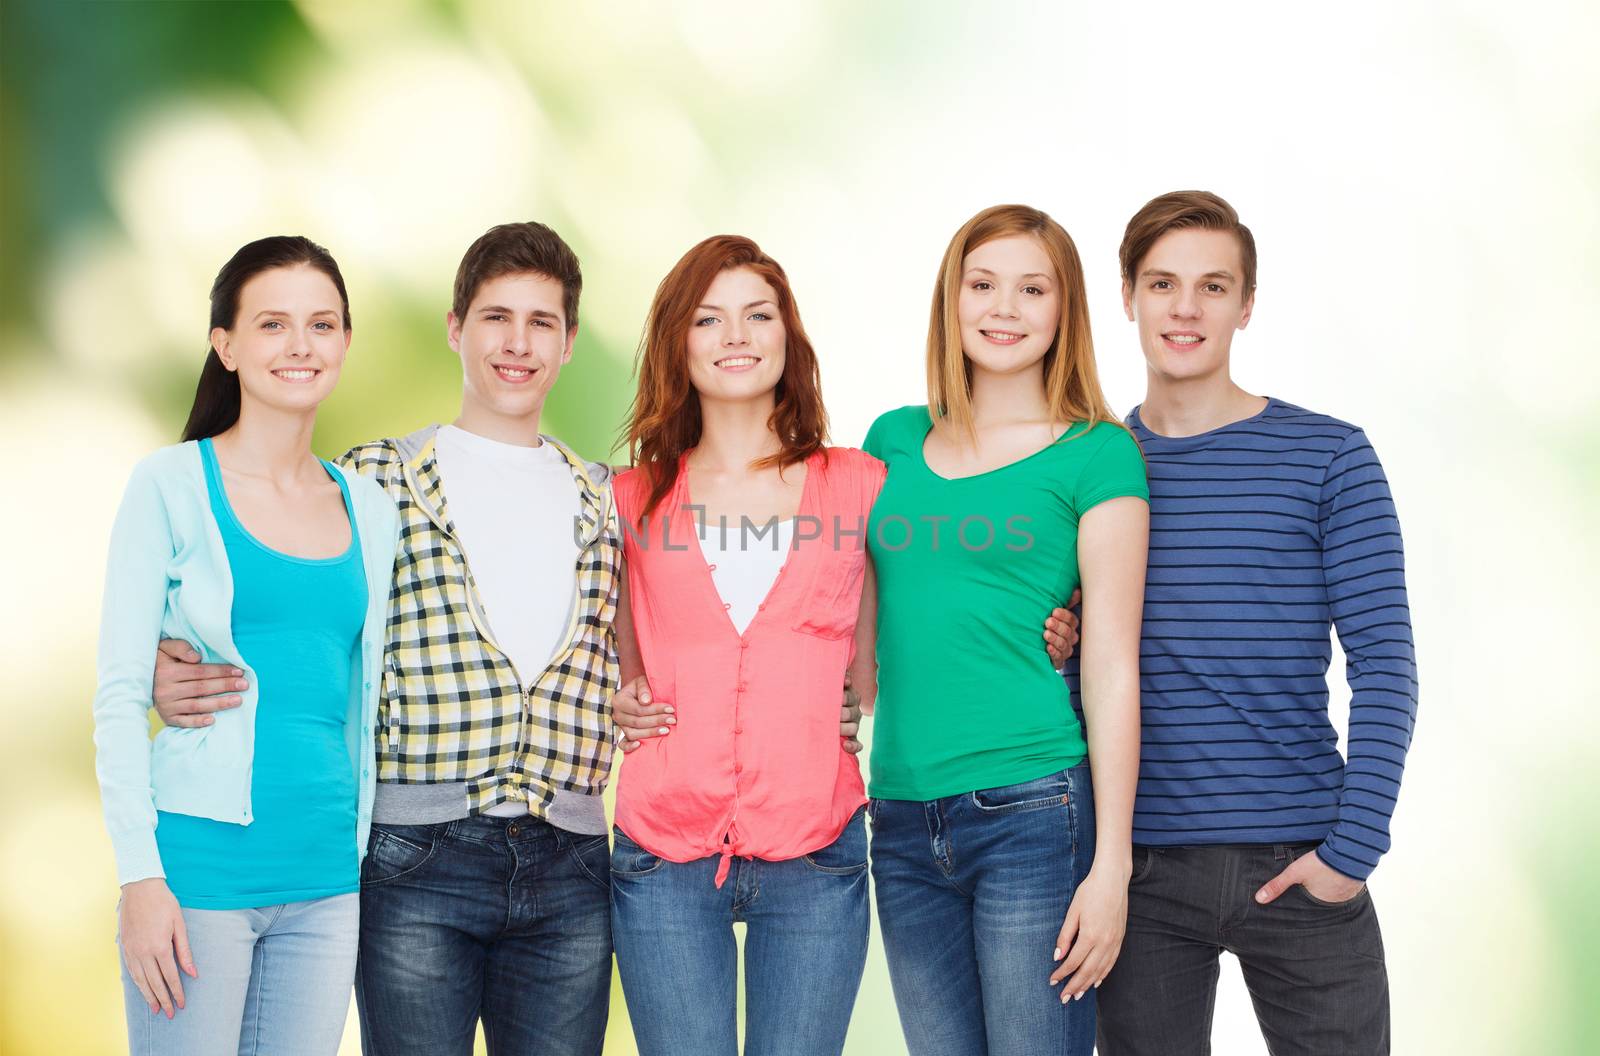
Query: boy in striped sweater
point(1269, 524)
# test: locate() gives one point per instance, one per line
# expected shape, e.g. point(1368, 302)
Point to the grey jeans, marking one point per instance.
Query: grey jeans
point(1314, 969)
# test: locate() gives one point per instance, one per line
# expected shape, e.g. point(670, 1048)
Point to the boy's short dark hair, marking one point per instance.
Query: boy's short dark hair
point(506, 249)
point(1180, 209)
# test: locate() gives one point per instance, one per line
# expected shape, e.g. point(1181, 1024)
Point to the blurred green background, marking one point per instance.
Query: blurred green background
point(1423, 183)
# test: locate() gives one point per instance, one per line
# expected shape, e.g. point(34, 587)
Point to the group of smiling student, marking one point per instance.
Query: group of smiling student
point(391, 684)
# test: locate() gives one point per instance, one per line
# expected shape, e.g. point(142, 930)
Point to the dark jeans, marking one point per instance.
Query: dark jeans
point(972, 891)
point(805, 947)
point(1314, 969)
point(507, 919)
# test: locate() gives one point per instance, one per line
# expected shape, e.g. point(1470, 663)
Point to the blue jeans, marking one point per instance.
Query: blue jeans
point(503, 919)
point(972, 891)
point(805, 948)
point(273, 979)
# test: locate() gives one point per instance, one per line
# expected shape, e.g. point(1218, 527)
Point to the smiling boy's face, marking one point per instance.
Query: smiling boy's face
point(1187, 298)
point(513, 341)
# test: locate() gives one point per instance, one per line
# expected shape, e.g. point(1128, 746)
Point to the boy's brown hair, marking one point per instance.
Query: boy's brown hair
point(1181, 209)
point(507, 249)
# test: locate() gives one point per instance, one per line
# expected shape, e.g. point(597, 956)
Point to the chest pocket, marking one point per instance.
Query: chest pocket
point(833, 601)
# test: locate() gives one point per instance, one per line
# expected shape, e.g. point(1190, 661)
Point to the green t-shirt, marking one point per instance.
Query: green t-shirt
point(968, 569)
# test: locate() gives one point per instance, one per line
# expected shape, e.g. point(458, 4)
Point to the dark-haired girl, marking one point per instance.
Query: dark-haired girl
point(238, 843)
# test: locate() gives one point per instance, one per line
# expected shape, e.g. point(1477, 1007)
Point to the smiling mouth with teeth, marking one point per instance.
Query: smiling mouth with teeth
point(738, 362)
point(1187, 340)
point(1003, 337)
point(513, 373)
point(296, 374)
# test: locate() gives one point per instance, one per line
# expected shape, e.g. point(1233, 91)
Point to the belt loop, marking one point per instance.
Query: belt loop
point(1279, 852)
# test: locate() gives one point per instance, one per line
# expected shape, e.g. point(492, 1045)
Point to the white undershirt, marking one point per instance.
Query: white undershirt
point(744, 565)
point(513, 509)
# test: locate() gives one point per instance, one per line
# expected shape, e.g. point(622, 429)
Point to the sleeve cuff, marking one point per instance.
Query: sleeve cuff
point(1331, 857)
point(138, 858)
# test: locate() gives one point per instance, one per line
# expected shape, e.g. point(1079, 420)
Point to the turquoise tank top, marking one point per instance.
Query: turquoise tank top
point(297, 623)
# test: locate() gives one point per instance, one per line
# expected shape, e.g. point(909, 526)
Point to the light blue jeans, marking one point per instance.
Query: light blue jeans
point(271, 980)
point(804, 950)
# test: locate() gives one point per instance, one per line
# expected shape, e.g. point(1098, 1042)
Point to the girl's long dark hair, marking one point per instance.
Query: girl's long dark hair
point(216, 398)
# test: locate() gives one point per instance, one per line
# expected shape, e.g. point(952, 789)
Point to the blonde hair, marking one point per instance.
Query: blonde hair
point(1072, 385)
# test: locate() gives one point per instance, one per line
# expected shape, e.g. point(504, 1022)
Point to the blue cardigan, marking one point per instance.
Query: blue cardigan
point(168, 577)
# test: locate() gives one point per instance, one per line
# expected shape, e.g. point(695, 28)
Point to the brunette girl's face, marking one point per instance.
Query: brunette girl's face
point(736, 339)
point(1010, 304)
point(288, 340)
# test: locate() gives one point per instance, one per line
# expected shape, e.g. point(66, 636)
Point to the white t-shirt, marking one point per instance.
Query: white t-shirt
point(744, 565)
point(513, 509)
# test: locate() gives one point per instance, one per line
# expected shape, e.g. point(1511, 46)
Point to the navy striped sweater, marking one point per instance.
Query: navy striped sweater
point(1262, 534)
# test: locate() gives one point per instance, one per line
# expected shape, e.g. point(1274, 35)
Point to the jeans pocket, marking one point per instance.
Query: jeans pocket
point(592, 856)
point(628, 859)
point(1052, 790)
point(1144, 859)
point(395, 851)
point(1295, 854)
point(847, 854)
point(1353, 900)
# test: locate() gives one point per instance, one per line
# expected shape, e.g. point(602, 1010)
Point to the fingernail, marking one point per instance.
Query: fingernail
point(671, 721)
point(1056, 956)
point(207, 721)
point(645, 697)
point(665, 730)
point(240, 684)
point(669, 710)
point(233, 670)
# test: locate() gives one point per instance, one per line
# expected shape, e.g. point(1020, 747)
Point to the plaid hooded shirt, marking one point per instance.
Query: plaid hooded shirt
point(458, 730)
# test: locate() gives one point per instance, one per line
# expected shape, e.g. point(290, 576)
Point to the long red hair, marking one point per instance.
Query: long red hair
point(665, 420)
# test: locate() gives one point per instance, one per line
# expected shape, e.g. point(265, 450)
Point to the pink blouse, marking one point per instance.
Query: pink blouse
point(755, 766)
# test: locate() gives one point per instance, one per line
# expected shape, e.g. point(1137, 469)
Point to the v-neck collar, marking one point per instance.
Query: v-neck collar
point(808, 493)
